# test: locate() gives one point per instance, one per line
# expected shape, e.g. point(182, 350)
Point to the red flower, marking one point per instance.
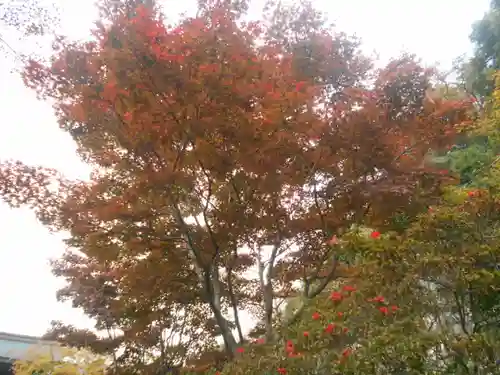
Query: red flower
point(240, 350)
point(384, 310)
point(340, 314)
point(346, 352)
point(377, 299)
point(330, 328)
point(375, 234)
point(306, 334)
point(289, 346)
point(349, 288)
point(316, 316)
point(282, 370)
point(394, 308)
point(345, 330)
point(472, 193)
point(336, 296)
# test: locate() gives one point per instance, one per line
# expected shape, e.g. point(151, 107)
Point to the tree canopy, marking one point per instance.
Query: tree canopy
point(477, 73)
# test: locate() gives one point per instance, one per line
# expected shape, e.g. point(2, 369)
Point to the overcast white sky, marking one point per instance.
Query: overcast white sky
point(436, 30)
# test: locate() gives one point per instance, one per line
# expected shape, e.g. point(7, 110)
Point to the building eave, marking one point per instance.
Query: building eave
point(25, 339)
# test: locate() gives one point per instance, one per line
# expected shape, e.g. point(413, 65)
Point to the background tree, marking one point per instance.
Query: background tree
point(477, 73)
point(475, 152)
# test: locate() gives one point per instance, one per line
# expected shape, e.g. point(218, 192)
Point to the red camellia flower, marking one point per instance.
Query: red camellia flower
point(345, 330)
point(346, 352)
point(306, 334)
point(240, 350)
point(336, 296)
point(472, 193)
point(375, 234)
point(316, 316)
point(330, 328)
point(282, 370)
point(384, 310)
point(340, 314)
point(394, 308)
point(289, 346)
point(377, 299)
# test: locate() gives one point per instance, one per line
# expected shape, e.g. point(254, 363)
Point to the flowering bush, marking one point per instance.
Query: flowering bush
point(346, 331)
point(406, 310)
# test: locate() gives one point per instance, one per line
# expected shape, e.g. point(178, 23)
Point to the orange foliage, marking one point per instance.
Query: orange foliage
point(263, 142)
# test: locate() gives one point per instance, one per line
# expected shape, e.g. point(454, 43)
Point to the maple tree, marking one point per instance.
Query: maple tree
point(220, 147)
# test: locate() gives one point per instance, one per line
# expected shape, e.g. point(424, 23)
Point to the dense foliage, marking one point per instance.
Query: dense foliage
point(259, 185)
point(477, 73)
point(65, 362)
